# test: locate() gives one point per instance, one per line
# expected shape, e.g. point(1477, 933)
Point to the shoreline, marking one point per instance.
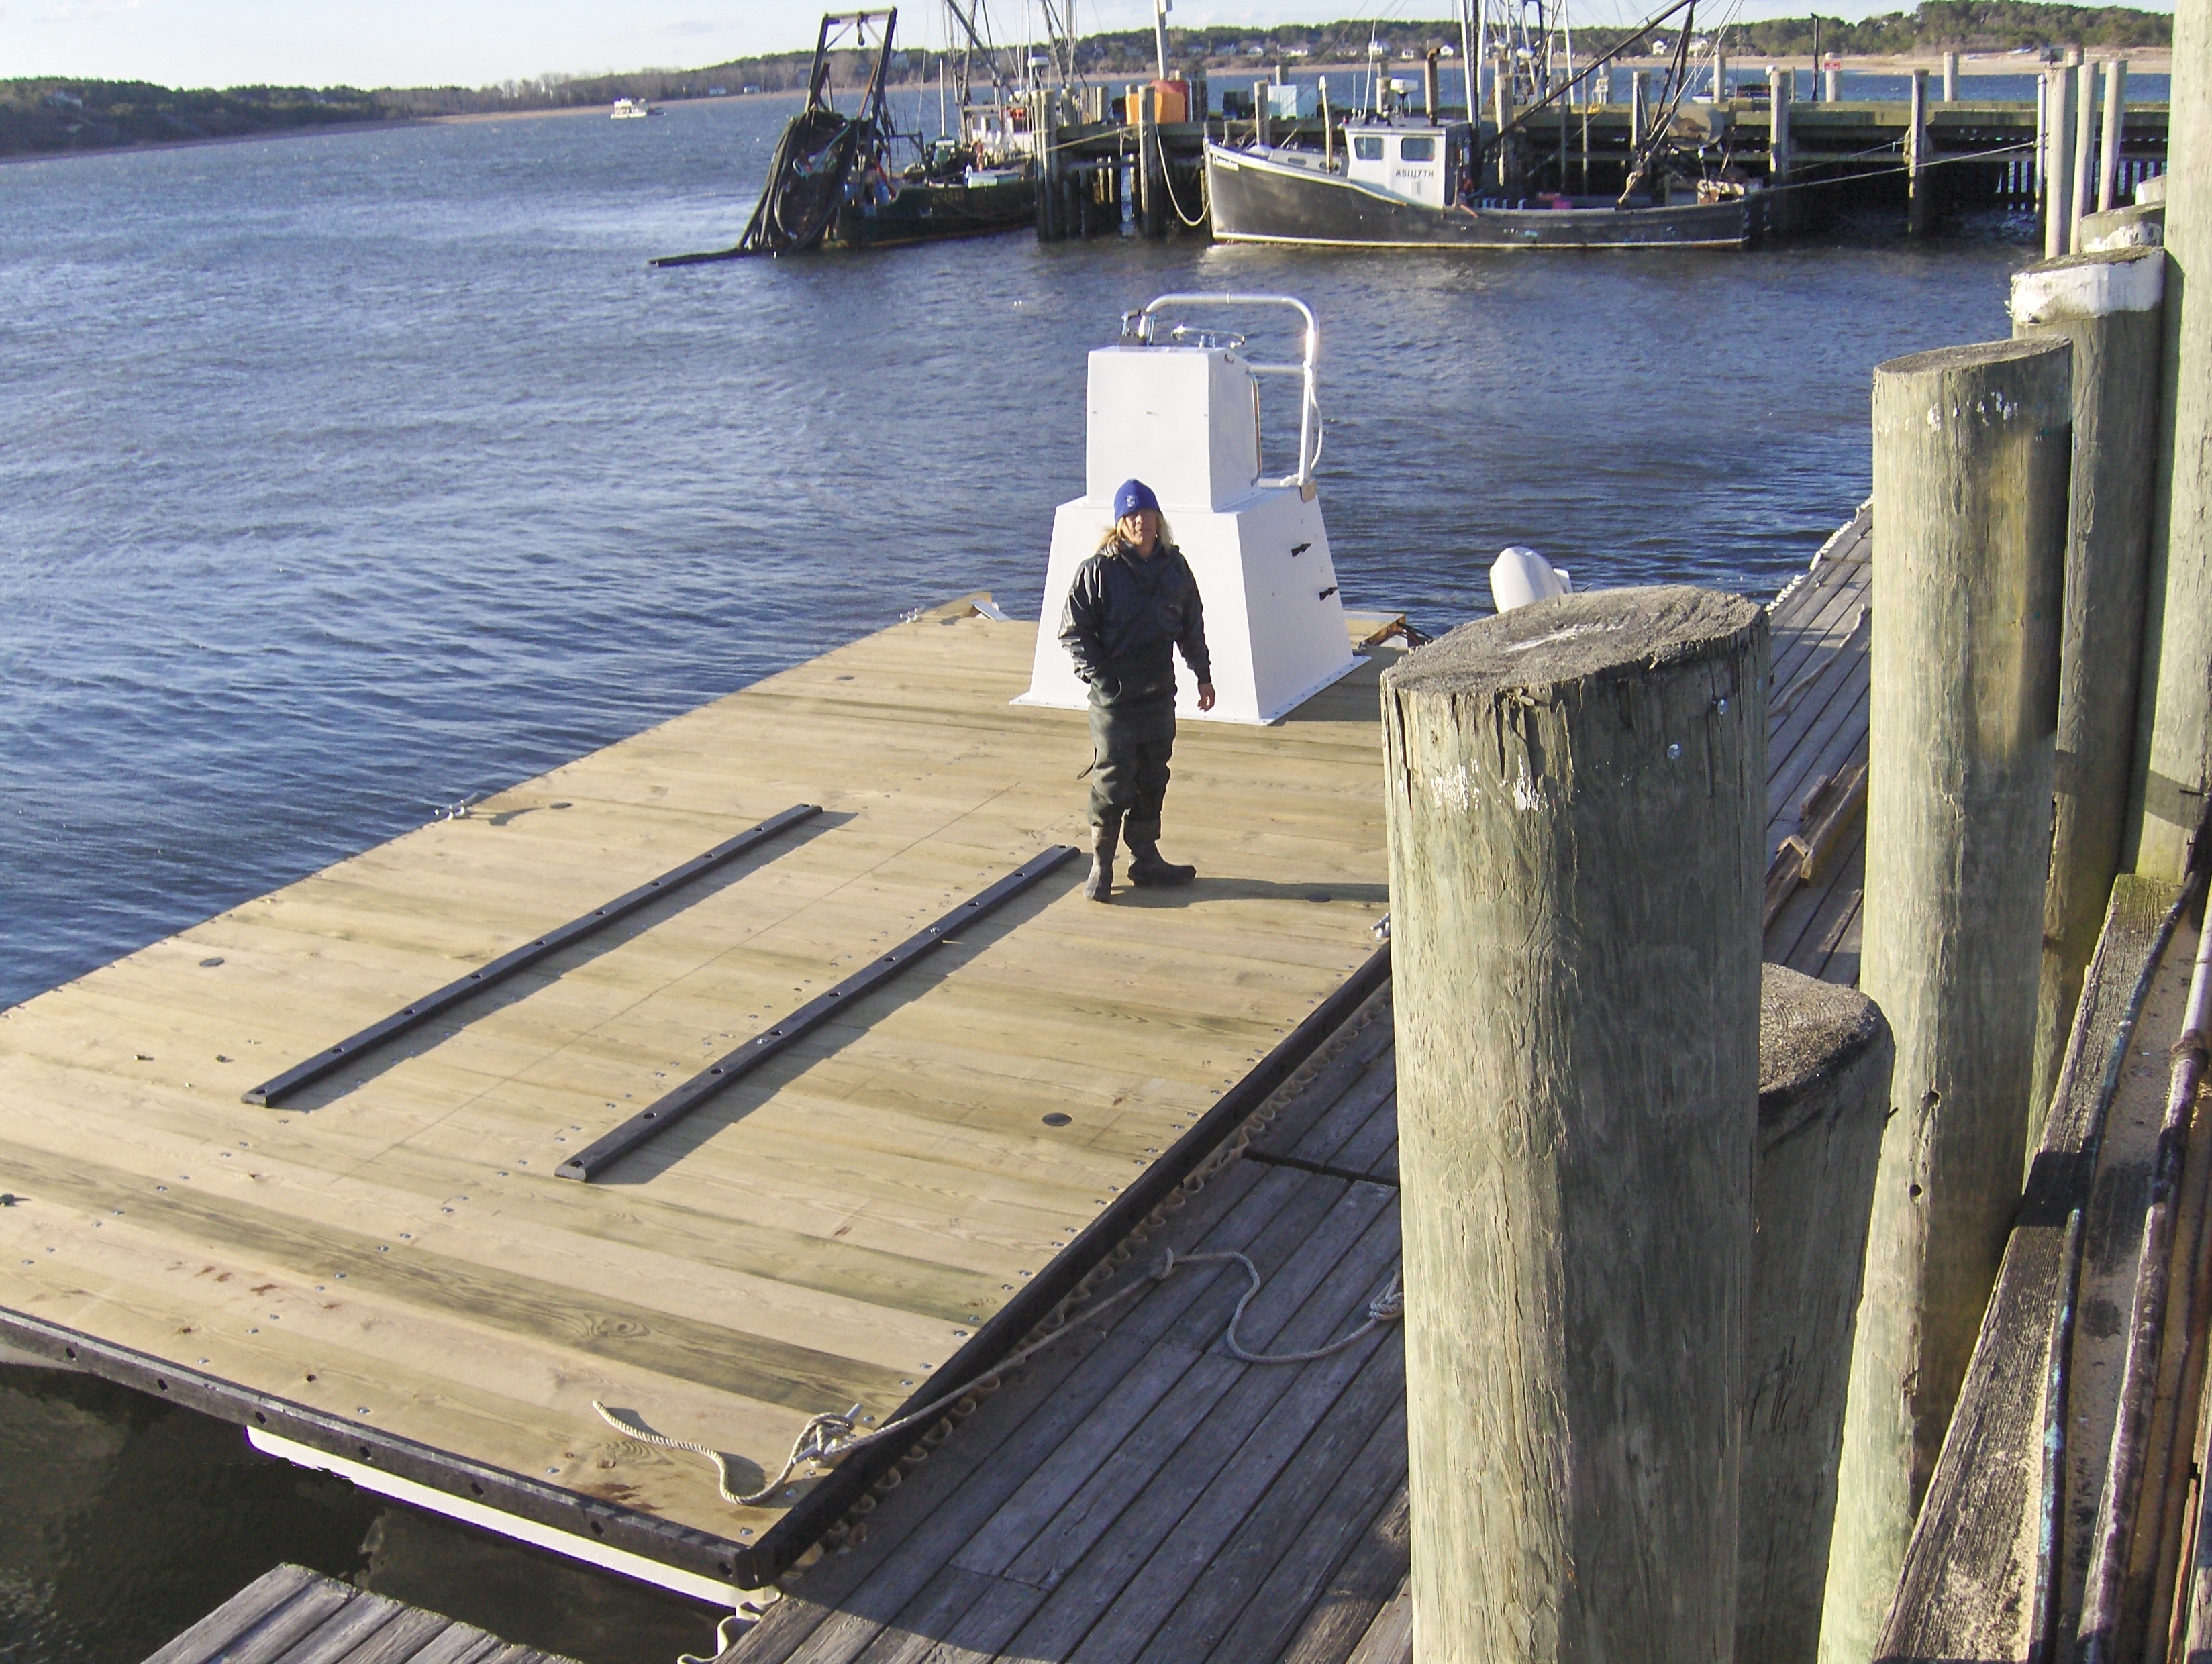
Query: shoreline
point(279, 134)
point(2149, 60)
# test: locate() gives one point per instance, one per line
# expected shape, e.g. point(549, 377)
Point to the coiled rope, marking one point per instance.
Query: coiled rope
point(828, 1437)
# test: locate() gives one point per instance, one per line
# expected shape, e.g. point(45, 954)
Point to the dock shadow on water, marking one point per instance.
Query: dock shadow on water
point(128, 1520)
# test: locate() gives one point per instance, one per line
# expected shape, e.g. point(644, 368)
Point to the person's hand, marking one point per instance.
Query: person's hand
point(1206, 695)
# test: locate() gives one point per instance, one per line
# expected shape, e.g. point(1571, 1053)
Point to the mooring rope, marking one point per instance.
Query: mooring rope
point(832, 1436)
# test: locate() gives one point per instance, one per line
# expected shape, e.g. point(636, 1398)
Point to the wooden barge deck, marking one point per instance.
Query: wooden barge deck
point(384, 1269)
point(384, 1274)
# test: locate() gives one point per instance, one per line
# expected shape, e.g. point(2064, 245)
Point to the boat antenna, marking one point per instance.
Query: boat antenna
point(1469, 64)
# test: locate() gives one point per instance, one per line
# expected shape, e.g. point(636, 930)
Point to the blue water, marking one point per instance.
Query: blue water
point(348, 474)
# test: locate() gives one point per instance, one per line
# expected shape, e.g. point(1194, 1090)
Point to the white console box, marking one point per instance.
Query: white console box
point(1186, 420)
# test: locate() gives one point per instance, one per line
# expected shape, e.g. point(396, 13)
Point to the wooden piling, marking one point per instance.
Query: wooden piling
point(2108, 143)
point(1950, 78)
point(1501, 100)
point(1152, 164)
point(2083, 165)
point(1261, 114)
point(2058, 148)
point(1781, 87)
point(2173, 764)
point(1832, 85)
point(1824, 1060)
point(1720, 77)
point(1574, 795)
point(1969, 477)
point(2109, 306)
point(1916, 160)
point(1639, 106)
point(1429, 106)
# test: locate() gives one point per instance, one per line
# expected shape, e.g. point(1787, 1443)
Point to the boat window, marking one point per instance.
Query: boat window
point(1367, 149)
point(1417, 149)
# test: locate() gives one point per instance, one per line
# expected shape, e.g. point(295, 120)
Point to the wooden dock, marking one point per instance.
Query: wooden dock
point(386, 1272)
point(295, 1616)
point(384, 1275)
point(1138, 1494)
point(1973, 153)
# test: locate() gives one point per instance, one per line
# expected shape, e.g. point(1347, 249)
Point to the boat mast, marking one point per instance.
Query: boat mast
point(1471, 64)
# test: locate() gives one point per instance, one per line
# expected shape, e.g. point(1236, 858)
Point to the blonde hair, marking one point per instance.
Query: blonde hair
point(1112, 530)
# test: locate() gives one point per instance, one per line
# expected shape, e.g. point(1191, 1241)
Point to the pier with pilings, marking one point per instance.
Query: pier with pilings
point(1110, 166)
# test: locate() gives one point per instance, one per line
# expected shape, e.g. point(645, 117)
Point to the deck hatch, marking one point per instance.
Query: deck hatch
point(274, 1090)
point(666, 1111)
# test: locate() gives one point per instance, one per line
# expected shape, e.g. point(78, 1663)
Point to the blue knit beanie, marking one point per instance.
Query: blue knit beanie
point(1133, 495)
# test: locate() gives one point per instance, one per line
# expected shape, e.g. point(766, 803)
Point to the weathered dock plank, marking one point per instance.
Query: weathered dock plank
point(293, 1616)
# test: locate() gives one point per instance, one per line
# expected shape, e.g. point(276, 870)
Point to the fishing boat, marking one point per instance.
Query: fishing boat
point(1385, 180)
point(1412, 187)
point(856, 181)
point(632, 109)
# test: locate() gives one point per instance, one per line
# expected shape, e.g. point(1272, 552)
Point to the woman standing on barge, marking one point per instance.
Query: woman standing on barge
point(1132, 605)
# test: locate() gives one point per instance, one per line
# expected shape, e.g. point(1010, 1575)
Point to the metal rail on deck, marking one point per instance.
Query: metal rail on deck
point(274, 1090)
point(657, 1117)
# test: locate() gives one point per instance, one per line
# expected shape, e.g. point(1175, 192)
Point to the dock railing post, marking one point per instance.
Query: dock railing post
point(1152, 163)
point(1574, 792)
point(2174, 760)
point(2110, 307)
point(1971, 458)
point(1916, 164)
point(1501, 99)
point(1781, 85)
point(2081, 169)
point(2058, 151)
point(2108, 147)
point(1824, 1061)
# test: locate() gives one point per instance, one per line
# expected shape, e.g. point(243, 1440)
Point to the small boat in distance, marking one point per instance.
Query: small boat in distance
point(632, 109)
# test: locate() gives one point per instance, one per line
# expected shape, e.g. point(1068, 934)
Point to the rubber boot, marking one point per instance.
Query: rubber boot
point(1105, 838)
point(1145, 867)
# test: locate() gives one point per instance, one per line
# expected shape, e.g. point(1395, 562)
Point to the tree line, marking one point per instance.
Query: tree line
point(56, 115)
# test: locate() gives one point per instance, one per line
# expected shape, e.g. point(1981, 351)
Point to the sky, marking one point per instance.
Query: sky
point(408, 43)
